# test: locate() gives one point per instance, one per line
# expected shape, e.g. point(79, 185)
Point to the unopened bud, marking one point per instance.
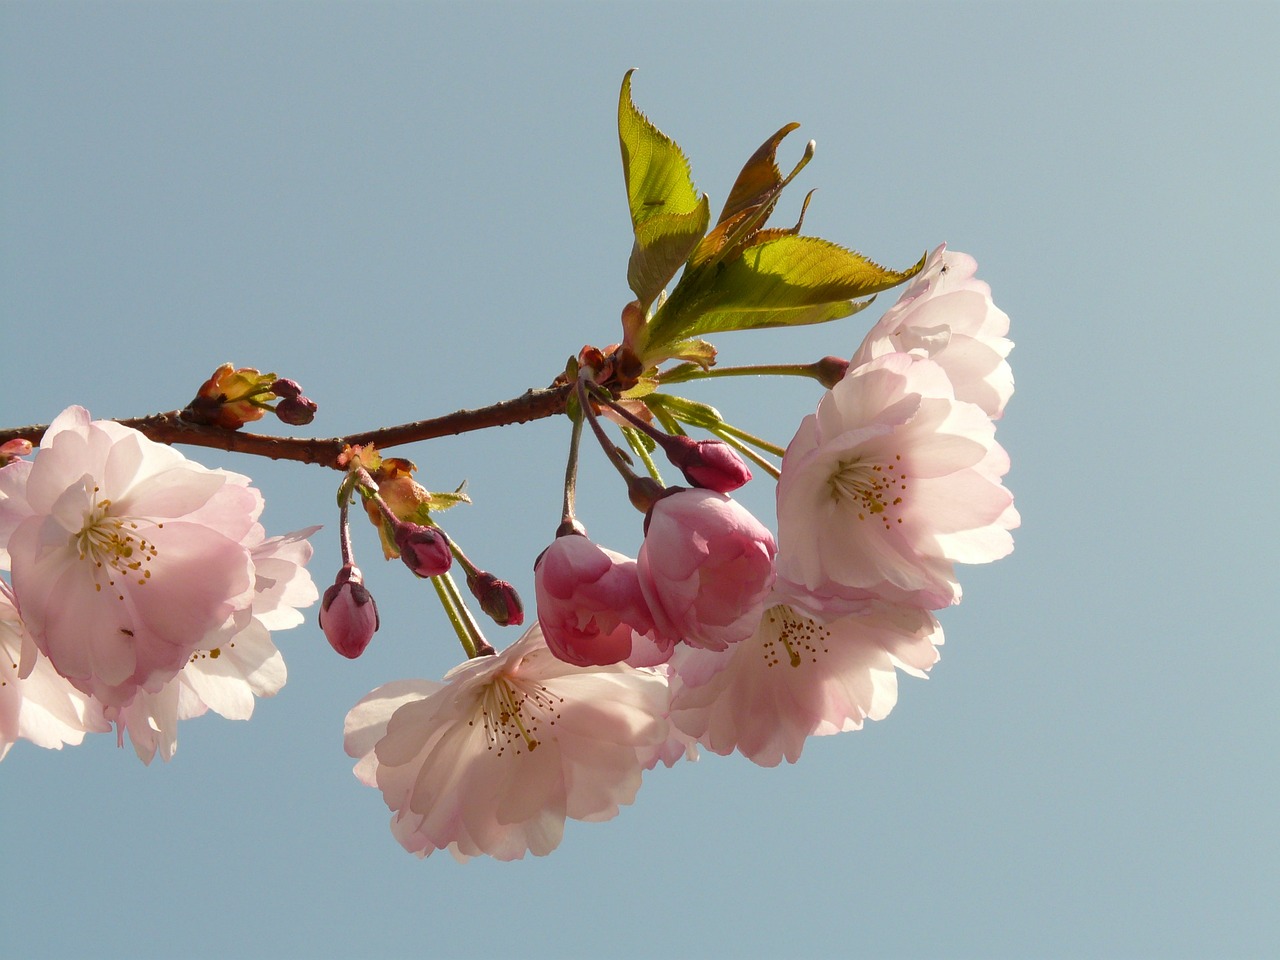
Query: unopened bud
point(230, 398)
point(497, 598)
point(710, 464)
point(286, 389)
point(644, 492)
point(348, 615)
point(831, 370)
point(296, 411)
point(424, 550)
point(13, 449)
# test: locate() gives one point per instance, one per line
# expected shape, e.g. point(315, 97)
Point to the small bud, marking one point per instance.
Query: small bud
point(497, 598)
point(230, 398)
point(424, 550)
point(348, 615)
point(710, 464)
point(286, 389)
point(831, 370)
point(644, 492)
point(296, 411)
point(14, 449)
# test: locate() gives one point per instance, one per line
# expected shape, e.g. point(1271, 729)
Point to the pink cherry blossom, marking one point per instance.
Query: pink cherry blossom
point(228, 678)
point(796, 678)
point(590, 605)
point(126, 556)
point(948, 316)
point(36, 703)
point(705, 567)
point(891, 482)
point(493, 760)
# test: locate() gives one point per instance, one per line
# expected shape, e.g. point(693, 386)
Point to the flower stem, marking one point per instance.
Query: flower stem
point(691, 371)
point(571, 473)
point(464, 625)
point(609, 447)
point(748, 452)
point(727, 430)
point(637, 445)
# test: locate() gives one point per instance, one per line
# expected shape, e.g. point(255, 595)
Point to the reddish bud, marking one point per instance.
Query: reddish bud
point(831, 370)
point(497, 598)
point(424, 550)
point(14, 449)
point(296, 411)
point(348, 615)
point(710, 464)
point(286, 389)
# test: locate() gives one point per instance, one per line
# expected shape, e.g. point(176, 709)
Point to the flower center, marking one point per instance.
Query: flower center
point(115, 546)
point(876, 489)
point(793, 637)
point(514, 714)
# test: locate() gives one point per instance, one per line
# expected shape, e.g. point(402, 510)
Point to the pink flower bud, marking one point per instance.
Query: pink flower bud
point(14, 449)
point(348, 615)
point(705, 567)
point(710, 464)
point(497, 598)
point(424, 550)
point(590, 605)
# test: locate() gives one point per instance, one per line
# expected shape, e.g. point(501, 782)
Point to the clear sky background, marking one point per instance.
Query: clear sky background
point(416, 208)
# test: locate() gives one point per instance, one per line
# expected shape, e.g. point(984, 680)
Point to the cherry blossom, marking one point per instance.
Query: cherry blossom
point(797, 677)
point(705, 567)
point(493, 760)
point(227, 678)
point(891, 482)
point(126, 556)
point(948, 316)
point(590, 605)
point(37, 704)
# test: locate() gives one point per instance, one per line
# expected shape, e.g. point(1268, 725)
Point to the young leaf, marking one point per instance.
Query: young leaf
point(751, 201)
point(668, 215)
point(784, 280)
point(760, 179)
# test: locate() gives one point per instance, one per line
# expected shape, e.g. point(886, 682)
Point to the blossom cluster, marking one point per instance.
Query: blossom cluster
point(142, 590)
point(719, 634)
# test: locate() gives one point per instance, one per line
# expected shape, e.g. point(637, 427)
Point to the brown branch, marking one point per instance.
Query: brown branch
point(171, 428)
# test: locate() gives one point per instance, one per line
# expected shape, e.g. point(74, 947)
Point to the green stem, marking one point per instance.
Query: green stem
point(571, 470)
point(455, 619)
point(726, 430)
point(691, 371)
point(633, 438)
point(749, 453)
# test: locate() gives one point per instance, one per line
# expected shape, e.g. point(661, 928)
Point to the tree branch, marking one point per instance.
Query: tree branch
point(170, 428)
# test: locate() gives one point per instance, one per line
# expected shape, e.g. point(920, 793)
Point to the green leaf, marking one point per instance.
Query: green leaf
point(668, 215)
point(784, 280)
point(692, 412)
point(698, 351)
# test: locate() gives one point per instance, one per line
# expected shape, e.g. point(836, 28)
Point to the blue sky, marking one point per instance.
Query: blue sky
point(412, 208)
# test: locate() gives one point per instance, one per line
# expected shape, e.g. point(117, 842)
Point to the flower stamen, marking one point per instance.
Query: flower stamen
point(798, 635)
point(874, 487)
point(513, 713)
point(114, 544)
